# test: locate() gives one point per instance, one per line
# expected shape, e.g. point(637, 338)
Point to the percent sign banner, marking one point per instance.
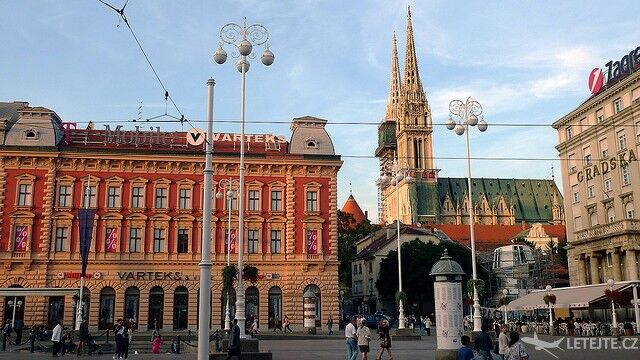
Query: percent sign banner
point(111, 241)
point(20, 241)
point(312, 241)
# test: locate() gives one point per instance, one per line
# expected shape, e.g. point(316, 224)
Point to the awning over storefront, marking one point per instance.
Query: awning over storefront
point(11, 292)
point(569, 297)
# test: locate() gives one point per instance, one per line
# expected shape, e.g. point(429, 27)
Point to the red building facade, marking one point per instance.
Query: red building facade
point(147, 189)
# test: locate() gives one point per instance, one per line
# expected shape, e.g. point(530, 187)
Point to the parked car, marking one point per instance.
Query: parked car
point(375, 319)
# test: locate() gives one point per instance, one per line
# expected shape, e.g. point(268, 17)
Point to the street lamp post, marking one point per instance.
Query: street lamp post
point(14, 304)
point(243, 38)
point(205, 256)
point(614, 320)
point(505, 292)
point(548, 288)
point(228, 185)
point(397, 175)
point(468, 112)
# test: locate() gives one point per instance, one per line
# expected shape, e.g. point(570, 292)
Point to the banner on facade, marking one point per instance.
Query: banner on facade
point(111, 240)
point(312, 241)
point(230, 242)
point(20, 241)
point(85, 219)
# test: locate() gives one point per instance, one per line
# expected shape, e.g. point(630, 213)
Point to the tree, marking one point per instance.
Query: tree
point(417, 260)
point(348, 235)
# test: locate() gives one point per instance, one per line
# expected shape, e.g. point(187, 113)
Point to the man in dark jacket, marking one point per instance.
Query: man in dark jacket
point(18, 329)
point(234, 341)
point(484, 344)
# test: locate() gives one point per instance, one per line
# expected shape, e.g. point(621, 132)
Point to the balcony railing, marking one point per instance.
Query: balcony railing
point(606, 230)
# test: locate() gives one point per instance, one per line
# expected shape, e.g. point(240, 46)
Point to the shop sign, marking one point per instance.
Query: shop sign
point(150, 275)
point(20, 241)
point(615, 70)
point(76, 275)
point(606, 166)
point(111, 240)
point(312, 241)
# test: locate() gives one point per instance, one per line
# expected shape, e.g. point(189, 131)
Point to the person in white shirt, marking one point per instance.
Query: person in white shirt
point(57, 338)
point(352, 342)
point(364, 336)
point(503, 340)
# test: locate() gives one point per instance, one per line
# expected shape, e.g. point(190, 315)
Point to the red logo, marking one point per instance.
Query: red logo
point(596, 79)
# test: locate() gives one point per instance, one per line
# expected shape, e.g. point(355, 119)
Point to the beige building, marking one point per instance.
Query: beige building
point(598, 147)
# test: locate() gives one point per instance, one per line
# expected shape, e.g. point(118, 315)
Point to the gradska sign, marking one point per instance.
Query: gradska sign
point(614, 71)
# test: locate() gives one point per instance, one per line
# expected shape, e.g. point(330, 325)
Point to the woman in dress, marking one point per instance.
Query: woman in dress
point(516, 350)
point(385, 340)
point(364, 336)
point(155, 346)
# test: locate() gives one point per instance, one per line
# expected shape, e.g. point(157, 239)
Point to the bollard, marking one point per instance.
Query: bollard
point(107, 337)
point(189, 336)
point(4, 342)
point(33, 343)
point(178, 345)
point(218, 340)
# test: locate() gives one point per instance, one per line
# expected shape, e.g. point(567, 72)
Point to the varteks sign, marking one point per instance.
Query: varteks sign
point(614, 71)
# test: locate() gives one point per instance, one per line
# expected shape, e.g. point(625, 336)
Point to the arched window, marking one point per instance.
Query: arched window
point(316, 291)
point(180, 308)
point(156, 308)
point(107, 307)
point(611, 215)
point(628, 210)
point(252, 304)
point(131, 303)
point(14, 301)
point(275, 307)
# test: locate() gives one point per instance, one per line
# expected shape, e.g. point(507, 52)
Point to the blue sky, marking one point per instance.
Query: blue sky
point(527, 62)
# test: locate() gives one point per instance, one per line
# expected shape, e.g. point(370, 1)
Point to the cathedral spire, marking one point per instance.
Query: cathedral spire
point(412, 85)
point(395, 85)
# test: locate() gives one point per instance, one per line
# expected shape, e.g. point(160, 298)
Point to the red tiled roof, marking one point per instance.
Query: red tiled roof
point(489, 237)
point(351, 206)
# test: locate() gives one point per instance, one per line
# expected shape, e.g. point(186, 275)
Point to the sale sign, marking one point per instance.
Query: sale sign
point(20, 241)
point(111, 240)
point(312, 241)
point(230, 242)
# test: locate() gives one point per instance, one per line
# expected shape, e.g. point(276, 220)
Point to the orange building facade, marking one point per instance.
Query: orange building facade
point(147, 189)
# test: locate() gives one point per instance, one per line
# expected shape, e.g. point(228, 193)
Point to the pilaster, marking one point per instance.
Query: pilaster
point(290, 209)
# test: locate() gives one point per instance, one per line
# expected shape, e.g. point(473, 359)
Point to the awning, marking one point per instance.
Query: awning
point(12, 292)
point(569, 297)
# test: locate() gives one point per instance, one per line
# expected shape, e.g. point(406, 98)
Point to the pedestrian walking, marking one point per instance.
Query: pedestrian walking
point(352, 340)
point(83, 337)
point(330, 325)
point(287, 324)
point(465, 352)
point(56, 337)
point(19, 327)
point(503, 340)
point(7, 329)
point(254, 327)
point(385, 340)
point(277, 324)
point(364, 336)
point(234, 341)
point(483, 344)
point(428, 324)
point(516, 350)
point(118, 330)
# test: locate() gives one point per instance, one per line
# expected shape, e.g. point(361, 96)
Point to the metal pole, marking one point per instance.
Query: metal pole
point(240, 316)
point(13, 319)
point(227, 312)
point(477, 318)
point(205, 261)
point(400, 301)
point(635, 306)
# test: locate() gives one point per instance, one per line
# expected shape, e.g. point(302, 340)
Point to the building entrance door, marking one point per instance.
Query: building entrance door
point(56, 311)
point(156, 308)
point(181, 308)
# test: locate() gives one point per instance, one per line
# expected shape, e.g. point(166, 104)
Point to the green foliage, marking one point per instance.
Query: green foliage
point(250, 273)
point(417, 260)
point(229, 274)
point(401, 295)
point(479, 286)
point(347, 238)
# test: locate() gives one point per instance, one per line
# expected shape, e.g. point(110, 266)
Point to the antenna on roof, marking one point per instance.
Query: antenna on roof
point(350, 191)
point(552, 175)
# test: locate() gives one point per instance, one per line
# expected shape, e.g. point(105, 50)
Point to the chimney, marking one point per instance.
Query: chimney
point(390, 232)
point(366, 215)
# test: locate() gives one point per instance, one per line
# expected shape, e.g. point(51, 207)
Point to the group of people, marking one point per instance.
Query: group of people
point(17, 327)
point(422, 323)
point(358, 337)
point(509, 346)
point(122, 330)
point(63, 340)
point(284, 325)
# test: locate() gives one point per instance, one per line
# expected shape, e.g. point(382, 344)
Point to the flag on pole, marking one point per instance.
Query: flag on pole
point(85, 217)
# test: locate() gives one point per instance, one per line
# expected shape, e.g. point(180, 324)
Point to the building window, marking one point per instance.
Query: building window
point(617, 105)
point(608, 184)
point(161, 198)
point(577, 223)
point(135, 239)
point(254, 200)
point(64, 196)
point(276, 200)
point(61, 237)
point(611, 215)
point(252, 241)
point(233, 201)
point(276, 241)
point(24, 195)
point(184, 199)
point(137, 197)
point(591, 191)
point(183, 241)
point(576, 194)
point(600, 115)
point(89, 196)
point(604, 149)
point(609, 259)
point(587, 159)
point(593, 217)
point(622, 141)
point(312, 200)
point(605, 154)
point(158, 240)
point(629, 210)
point(572, 163)
point(569, 132)
point(113, 197)
point(626, 174)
